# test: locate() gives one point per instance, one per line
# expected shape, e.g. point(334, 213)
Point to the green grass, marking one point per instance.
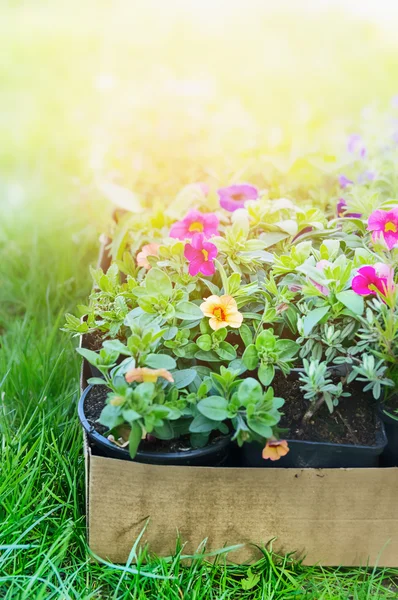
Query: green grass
point(50, 220)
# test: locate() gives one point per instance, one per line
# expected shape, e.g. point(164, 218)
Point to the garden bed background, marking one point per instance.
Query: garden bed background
point(330, 517)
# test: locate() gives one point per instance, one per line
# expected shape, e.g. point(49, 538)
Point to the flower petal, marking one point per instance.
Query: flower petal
point(179, 230)
point(377, 220)
point(195, 266)
point(360, 285)
point(190, 252)
point(207, 268)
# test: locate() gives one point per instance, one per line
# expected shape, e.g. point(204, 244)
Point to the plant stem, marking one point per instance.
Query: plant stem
point(315, 406)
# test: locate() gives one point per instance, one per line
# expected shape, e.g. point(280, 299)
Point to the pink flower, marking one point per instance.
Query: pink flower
point(374, 279)
point(235, 196)
point(195, 222)
point(320, 265)
point(201, 255)
point(148, 250)
point(344, 181)
point(384, 224)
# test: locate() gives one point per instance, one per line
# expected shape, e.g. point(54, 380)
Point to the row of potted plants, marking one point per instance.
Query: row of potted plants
point(258, 333)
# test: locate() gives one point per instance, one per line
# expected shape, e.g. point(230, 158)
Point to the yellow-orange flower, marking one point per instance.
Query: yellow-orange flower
point(223, 312)
point(148, 250)
point(275, 449)
point(141, 374)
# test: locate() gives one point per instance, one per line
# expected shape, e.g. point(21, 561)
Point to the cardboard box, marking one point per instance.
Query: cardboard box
point(332, 517)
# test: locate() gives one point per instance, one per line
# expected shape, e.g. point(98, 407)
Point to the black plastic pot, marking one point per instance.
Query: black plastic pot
point(320, 455)
point(213, 455)
point(389, 458)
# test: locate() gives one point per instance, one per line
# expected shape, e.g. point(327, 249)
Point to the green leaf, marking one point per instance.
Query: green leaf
point(260, 428)
point(111, 416)
point(170, 333)
point(313, 317)
point(250, 391)
point(134, 438)
point(272, 237)
point(204, 342)
point(226, 351)
point(208, 356)
point(250, 357)
point(96, 381)
point(202, 424)
point(130, 415)
point(287, 349)
point(158, 282)
point(183, 378)
point(188, 311)
point(160, 361)
point(116, 346)
point(214, 408)
point(199, 440)
point(266, 374)
point(92, 357)
point(164, 432)
point(352, 301)
point(246, 334)
point(189, 350)
point(251, 580)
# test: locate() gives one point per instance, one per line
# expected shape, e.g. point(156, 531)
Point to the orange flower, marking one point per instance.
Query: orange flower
point(223, 311)
point(275, 449)
point(148, 250)
point(145, 374)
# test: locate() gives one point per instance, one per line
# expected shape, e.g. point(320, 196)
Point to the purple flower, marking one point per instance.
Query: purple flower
point(366, 176)
point(344, 181)
point(355, 145)
point(235, 196)
point(341, 207)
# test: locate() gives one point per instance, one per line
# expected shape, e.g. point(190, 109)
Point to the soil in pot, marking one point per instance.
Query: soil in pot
point(154, 451)
point(387, 412)
point(352, 436)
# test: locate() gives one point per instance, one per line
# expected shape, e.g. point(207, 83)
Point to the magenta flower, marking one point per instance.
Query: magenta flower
point(374, 279)
point(195, 222)
point(384, 225)
point(320, 265)
point(235, 196)
point(355, 145)
point(344, 181)
point(341, 208)
point(201, 255)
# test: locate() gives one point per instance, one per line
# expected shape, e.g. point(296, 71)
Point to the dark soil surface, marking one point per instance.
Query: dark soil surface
point(353, 421)
point(95, 402)
point(93, 341)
